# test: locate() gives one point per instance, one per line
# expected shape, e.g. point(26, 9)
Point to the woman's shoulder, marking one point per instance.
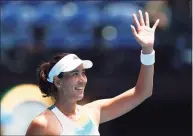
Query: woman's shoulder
point(44, 117)
point(44, 123)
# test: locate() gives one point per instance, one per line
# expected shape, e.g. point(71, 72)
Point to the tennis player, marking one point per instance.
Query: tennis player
point(64, 79)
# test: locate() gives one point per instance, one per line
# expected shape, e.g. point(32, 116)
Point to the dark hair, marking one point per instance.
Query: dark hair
point(47, 88)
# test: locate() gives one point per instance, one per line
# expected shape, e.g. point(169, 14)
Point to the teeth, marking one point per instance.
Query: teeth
point(79, 88)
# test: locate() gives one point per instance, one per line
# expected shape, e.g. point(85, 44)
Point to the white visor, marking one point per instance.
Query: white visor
point(67, 64)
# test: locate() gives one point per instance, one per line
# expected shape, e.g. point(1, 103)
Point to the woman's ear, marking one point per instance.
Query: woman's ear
point(57, 82)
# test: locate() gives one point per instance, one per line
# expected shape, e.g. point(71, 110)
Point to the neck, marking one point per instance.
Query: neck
point(66, 107)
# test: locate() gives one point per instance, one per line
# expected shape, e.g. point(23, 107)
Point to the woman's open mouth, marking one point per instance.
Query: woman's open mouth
point(79, 89)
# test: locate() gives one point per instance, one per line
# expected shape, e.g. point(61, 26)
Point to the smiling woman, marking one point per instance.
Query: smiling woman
point(64, 78)
point(63, 66)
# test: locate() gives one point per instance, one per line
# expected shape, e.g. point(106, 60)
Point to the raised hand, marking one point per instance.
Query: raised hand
point(145, 35)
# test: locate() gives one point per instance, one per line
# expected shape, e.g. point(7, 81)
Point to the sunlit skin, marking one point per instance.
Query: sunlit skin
point(102, 110)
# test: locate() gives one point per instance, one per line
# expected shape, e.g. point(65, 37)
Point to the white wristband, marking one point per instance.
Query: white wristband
point(148, 59)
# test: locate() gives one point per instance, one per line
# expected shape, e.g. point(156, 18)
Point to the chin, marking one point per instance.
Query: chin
point(80, 97)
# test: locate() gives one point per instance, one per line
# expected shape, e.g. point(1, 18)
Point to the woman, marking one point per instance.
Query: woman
point(64, 78)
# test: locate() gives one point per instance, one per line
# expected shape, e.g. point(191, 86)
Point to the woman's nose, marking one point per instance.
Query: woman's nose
point(82, 79)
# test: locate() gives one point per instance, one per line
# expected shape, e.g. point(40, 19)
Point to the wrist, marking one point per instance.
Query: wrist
point(147, 59)
point(147, 50)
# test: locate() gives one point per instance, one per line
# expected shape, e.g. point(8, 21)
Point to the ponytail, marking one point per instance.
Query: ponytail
point(48, 89)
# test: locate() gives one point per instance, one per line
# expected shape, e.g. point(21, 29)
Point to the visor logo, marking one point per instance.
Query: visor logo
point(75, 57)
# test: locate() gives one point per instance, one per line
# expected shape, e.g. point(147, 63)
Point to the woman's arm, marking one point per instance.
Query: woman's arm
point(123, 103)
point(36, 128)
point(42, 126)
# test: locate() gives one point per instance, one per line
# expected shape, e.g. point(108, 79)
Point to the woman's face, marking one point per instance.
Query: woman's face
point(73, 83)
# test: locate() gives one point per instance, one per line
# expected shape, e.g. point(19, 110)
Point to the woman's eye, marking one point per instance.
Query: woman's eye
point(75, 74)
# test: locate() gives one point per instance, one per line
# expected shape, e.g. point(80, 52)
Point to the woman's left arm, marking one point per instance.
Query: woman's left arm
point(114, 107)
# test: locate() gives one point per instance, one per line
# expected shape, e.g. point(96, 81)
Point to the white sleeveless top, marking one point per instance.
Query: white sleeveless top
point(70, 128)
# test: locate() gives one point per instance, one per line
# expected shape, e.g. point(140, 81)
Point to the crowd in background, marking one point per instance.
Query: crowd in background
point(35, 26)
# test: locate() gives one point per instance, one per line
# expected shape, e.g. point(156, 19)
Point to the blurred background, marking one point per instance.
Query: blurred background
point(34, 31)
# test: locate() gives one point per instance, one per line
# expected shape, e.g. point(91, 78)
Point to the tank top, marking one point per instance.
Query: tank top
point(85, 127)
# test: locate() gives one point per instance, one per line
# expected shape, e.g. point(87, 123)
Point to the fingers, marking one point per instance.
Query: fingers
point(147, 19)
point(141, 18)
point(156, 24)
point(141, 22)
point(136, 21)
point(134, 31)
